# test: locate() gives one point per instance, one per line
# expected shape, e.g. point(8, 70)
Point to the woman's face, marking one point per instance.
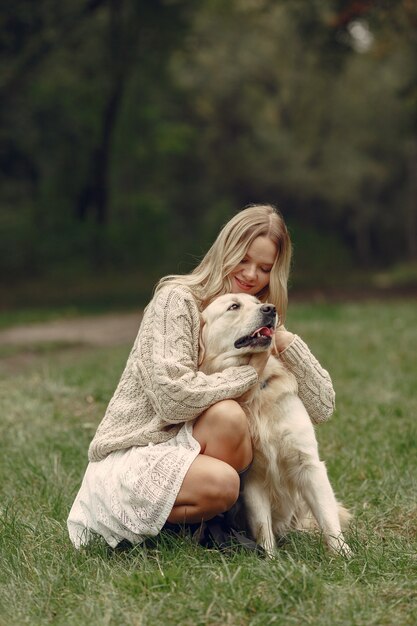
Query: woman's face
point(251, 275)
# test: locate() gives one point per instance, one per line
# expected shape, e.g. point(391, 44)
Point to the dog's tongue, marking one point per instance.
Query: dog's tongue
point(264, 330)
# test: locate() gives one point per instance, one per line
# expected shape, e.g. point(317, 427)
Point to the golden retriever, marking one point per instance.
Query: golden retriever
point(286, 481)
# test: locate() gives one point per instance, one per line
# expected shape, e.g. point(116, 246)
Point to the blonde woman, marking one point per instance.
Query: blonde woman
point(173, 440)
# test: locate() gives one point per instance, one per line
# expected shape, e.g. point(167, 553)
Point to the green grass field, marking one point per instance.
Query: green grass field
point(53, 398)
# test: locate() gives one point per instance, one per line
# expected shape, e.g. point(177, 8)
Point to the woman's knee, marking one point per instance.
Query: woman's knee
point(226, 417)
point(223, 433)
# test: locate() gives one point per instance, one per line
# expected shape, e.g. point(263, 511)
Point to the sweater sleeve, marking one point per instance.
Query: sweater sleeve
point(180, 391)
point(314, 383)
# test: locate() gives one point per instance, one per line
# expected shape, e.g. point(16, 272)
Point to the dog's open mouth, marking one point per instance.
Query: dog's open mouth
point(261, 337)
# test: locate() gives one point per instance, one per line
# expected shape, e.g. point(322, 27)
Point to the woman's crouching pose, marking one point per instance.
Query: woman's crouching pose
point(174, 440)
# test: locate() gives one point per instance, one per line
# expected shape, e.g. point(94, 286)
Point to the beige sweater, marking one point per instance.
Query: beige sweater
point(161, 387)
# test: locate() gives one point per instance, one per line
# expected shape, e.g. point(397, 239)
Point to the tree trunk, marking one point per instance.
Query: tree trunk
point(94, 195)
point(410, 221)
point(362, 238)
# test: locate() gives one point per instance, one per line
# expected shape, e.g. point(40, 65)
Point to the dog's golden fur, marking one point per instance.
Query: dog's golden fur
point(287, 482)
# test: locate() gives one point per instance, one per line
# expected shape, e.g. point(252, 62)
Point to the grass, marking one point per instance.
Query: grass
point(51, 404)
point(15, 317)
point(35, 315)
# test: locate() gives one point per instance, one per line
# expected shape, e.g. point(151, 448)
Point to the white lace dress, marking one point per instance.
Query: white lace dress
point(130, 493)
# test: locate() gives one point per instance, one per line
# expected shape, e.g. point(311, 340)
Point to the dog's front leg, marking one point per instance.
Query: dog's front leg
point(259, 514)
point(315, 487)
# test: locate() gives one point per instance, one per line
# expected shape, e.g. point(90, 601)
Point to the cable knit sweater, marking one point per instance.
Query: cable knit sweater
point(161, 387)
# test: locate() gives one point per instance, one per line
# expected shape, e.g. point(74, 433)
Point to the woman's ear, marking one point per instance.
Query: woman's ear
point(201, 342)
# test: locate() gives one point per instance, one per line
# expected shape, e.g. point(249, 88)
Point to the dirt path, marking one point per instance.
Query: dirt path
point(120, 328)
point(101, 330)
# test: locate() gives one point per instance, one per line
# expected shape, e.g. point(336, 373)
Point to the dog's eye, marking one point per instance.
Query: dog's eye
point(233, 307)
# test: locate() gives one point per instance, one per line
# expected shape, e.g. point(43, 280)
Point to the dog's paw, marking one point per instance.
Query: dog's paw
point(269, 546)
point(270, 553)
point(345, 551)
point(339, 546)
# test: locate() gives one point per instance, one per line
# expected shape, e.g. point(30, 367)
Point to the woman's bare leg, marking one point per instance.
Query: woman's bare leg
point(211, 485)
point(223, 433)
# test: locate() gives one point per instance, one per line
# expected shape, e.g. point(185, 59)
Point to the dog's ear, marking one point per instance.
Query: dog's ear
point(201, 342)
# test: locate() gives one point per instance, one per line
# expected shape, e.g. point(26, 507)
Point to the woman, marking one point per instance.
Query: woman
point(173, 441)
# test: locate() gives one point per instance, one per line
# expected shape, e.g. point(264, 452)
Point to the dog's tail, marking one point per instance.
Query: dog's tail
point(345, 516)
point(303, 519)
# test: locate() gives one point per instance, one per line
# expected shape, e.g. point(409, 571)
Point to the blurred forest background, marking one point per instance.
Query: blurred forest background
point(131, 130)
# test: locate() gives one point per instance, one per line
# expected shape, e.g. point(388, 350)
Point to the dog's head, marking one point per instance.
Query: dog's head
point(236, 324)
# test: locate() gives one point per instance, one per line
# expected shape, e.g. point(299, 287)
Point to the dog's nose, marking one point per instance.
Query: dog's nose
point(269, 309)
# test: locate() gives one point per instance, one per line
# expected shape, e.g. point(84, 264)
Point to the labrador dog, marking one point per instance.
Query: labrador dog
point(287, 483)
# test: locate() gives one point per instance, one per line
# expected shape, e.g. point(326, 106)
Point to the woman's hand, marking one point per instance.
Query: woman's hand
point(282, 340)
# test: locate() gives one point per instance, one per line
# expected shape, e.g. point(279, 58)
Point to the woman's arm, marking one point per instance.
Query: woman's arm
point(314, 383)
point(180, 391)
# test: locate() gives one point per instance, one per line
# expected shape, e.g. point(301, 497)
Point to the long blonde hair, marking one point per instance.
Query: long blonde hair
point(210, 278)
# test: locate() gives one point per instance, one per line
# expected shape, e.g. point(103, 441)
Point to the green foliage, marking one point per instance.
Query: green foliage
point(52, 402)
point(132, 127)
